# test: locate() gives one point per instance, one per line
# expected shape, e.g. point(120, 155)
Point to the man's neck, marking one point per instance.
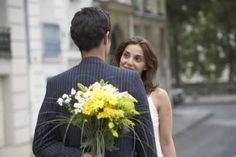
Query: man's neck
point(96, 52)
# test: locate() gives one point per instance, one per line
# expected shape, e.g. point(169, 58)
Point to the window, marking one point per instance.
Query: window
point(51, 39)
point(5, 46)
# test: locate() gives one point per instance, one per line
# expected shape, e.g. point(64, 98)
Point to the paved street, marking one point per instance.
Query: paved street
point(213, 137)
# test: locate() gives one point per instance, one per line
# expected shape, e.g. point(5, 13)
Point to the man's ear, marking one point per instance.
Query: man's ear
point(106, 38)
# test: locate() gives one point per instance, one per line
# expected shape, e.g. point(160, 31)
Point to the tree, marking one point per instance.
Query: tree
point(223, 14)
point(202, 37)
point(180, 14)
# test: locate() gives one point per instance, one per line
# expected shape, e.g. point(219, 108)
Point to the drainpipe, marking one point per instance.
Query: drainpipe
point(27, 31)
point(27, 42)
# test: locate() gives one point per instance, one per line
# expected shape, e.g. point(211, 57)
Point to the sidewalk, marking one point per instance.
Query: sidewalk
point(23, 150)
point(187, 118)
point(208, 99)
point(184, 119)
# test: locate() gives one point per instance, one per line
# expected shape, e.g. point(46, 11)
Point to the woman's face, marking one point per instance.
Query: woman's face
point(133, 58)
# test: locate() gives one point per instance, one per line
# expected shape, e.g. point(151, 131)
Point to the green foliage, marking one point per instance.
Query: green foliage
point(202, 37)
point(81, 87)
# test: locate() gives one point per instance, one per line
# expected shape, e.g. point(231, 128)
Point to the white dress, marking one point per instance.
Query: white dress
point(155, 120)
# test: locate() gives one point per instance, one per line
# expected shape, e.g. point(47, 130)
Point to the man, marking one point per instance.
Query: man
point(90, 30)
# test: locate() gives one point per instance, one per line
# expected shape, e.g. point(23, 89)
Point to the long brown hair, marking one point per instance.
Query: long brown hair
point(151, 59)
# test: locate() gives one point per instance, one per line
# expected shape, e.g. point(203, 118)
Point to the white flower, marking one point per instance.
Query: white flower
point(78, 95)
point(77, 110)
point(82, 100)
point(87, 94)
point(60, 101)
point(68, 100)
point(95, 85)
point(110, 88)
point(73, 91)
point(64, 96)
point(126, 94)
point(78, 107)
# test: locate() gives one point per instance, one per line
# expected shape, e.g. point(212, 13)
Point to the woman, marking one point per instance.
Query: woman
point(137, 54)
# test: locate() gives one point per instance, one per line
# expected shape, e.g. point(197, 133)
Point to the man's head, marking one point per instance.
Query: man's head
point(88, 27)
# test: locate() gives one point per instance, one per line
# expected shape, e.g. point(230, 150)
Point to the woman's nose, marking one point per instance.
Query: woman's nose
point(130, 61)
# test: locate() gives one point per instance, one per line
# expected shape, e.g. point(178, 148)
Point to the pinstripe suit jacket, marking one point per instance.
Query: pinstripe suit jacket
point(48, 137)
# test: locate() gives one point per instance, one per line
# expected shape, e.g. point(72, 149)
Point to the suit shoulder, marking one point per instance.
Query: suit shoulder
point(125, 72)
point(61, 76)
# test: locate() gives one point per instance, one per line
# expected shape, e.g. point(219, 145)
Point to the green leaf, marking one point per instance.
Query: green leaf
point(81, 87)
point(102, 82)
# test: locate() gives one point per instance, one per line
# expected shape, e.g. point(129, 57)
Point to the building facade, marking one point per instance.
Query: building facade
point(14, 88)
point(51, 49)
point(145, 18)
point(35, 44)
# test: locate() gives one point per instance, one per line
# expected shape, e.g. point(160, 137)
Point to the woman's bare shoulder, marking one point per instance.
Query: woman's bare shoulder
point(160, 93)
point(160, 97)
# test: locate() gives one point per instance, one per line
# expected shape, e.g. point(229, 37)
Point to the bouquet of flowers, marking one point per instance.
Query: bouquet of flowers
point(101, 112)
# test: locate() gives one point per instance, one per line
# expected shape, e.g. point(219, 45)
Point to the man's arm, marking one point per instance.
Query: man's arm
point(145, 145)
point(45, 143)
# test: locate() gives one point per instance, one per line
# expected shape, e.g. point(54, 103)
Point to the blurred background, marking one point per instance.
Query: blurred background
point(195, 42)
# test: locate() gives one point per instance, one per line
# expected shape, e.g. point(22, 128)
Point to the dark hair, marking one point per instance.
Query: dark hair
point(150, 56)
point(88, 27)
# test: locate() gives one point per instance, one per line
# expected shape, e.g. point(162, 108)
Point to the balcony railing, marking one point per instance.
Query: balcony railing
point(5, 42)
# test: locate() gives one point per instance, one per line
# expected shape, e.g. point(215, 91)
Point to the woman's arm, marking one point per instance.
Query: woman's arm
point(144, 128)
point(163, 105)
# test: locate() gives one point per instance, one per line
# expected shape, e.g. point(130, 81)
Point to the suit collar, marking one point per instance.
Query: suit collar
point(93, 60)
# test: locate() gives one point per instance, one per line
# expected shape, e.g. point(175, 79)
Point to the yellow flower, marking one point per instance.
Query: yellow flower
point(110, 113)
point(113, 101)
point(114, 133)
point(111, 125)
point(127, 122)
point(91, 107)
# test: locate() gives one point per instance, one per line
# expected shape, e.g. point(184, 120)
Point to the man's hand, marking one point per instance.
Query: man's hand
point(90, 155)
point(87, 155)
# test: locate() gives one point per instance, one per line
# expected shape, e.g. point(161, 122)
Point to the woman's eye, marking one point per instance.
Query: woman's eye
point(138, 59)
point(126, 55)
